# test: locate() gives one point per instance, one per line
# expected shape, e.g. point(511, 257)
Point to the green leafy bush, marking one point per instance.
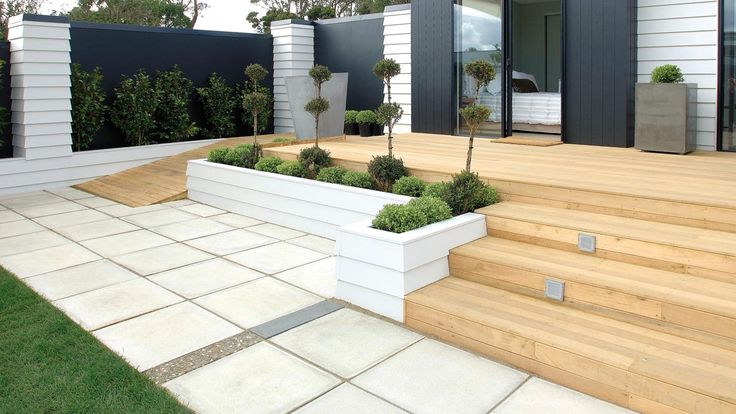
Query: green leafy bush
point(219, 102)
point(269, 164)
point(385, 170)
point(245, 156)
point(88, 105)
point(366, 117)
point(409, 186)
point(314, 159)
point(292, 168)
point(350, 117)
point(667, 74)
point(357, 179)
point(483, 72)
point(332, 175)
point(398, 218)
point(282, 139)
point(435, 209)
point(134, 107)
point(467, 192)
point(174, 90)
point(438, 190)
point(219, 155)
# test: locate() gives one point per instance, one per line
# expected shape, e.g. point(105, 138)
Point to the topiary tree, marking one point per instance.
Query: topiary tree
point(388, 113)
point(667, 74)
point(319, 105)
point(174, 92)
point(385, 70)
point(475, 114)
point(255, 101)
point(219, 102)
point(134, 107)
point(88, 106)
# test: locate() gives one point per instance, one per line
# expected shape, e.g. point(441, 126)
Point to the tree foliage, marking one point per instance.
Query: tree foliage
point(475, 114)
point(257, 100)
point(10, 8)
point(219, 102)
point(319, 105)
point(174, 92)
point(134, 108)
point(161, 13)
point(88, 106)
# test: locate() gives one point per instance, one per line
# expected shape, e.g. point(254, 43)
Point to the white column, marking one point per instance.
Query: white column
point(40, 86)
point(397, 46)
point(293, 55)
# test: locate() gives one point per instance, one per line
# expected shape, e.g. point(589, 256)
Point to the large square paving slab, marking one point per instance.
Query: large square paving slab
point(277, 232)
point(125, 243)
point(157, 337)
point(41, 210)
point(257, 302)
point(95, 202)
point(7, 216)
point(160, 217)
point(111, 304)
point(317, 277)
point(348, 398)
point(205, 277)
point(158, 259)
point(15, 201)
point(431, 377)
point(258, 379)
point(96, 229)
point(539, 396)
point(275, 258)
point(29, 242)
point(70, 219)
point(202, 210)
point(346, 342)
point(79, 279)
point(121, 210)
point(46, 260)
point(317, 243)
point(70, 193)
point(191, 229)
point(231, 242)
point(236, 220)
point(18, 227)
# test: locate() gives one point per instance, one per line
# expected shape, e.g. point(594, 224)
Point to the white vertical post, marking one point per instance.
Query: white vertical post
point(293, 55)
point(40, 86)
point(397, 46)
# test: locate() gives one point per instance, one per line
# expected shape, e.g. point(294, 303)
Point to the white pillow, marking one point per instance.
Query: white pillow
point(522, 75)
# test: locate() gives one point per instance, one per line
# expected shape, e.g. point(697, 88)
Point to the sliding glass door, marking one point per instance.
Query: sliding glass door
point(727, 80)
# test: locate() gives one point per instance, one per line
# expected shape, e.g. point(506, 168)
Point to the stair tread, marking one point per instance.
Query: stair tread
point(694, 238)
point(692, 365)
point(678, 288)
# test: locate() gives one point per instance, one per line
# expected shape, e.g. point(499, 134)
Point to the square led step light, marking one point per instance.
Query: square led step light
point(586, 242)
point(554, 289)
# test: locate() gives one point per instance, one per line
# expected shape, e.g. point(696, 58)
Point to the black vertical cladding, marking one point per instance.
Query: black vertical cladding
point(432, 70)
point(353, 45)
point(123, 49)
point(600, 72)
point(6, 139)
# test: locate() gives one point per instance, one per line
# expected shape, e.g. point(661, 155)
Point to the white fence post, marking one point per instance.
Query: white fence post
point(293, 55)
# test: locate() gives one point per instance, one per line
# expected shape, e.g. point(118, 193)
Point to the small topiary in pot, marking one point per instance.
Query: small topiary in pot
point(244, 156)
point(291, 168)
point(351, 123)
point(219, 155)
point(314, 159)
point(398, 218)
point(269, 164)
point(385, 170)
point(365, 120)
point(467, 192)
point(332, 175)
point(667, 74)
point(435, 209)
point(357, 179)
point(409, 186)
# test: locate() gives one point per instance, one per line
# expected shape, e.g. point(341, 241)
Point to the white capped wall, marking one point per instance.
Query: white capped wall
point(684, 33)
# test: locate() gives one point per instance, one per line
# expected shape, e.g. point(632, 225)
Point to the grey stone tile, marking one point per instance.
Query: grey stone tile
point(258, 379)
point(79, 279)
point(70, 193)
point(431, 377)
point(96, 202)
point(191, 229)
point(158, 259)
point(317, 277)
point(178, 203)
point(125, 243)
point(46, 260)
point(16, 228)
point(7, 216)
point(275, 258)
point(348, 398)
point(160, 336)
point(277, 232)
point(230, 242)
point(96, 229)
point(37, 198)
point(257, 302)
point(42, 210)
point(346, 342)
point(115, 303)
point(70, 219)
point(202, 210)
point(205, 277)
point(236, 220)
point(317, 243)
point(29, 242)
point(159, 218)
point(121, 210)
point(294, 319)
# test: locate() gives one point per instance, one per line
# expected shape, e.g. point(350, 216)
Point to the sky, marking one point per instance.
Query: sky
point(225, 15)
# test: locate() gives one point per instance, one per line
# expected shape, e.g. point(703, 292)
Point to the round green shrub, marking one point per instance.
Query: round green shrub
point(467, 192)
point(409, 186)
point(437, 190)
point(399, 219)
point(385, 170)
point(432, 207)
point(245, 156)
point(366, 117)
point(314, 159)
point(292, 168)
point(357, 179)
point(350, 117)
point(667, 74)
point(269, 164)
point(219, 155)
point(332, 175)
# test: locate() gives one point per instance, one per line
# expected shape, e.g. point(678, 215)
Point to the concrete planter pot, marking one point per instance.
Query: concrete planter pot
point(299, 203)
point(366, 130)
point(301, 90)
point(376, 269)
point(666, 117)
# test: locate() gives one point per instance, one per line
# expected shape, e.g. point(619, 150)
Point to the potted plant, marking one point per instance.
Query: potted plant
point(665, 112)
point(351, 124)
point(366, 120)
point(379, 128)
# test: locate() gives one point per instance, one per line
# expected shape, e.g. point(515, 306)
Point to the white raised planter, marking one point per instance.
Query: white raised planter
point(307, 205)
point(376, 269)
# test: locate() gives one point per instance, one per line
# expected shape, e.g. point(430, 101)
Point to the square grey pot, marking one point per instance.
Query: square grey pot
point(301, 90)
point(665, 117)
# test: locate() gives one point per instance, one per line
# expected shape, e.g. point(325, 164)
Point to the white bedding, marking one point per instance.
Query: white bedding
point(541, 108)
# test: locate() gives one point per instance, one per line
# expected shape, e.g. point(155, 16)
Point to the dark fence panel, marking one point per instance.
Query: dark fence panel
point(122, 50)
point(6, 149)
point(353, 45)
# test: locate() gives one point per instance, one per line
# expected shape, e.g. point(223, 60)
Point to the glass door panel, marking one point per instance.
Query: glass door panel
point(728, 77)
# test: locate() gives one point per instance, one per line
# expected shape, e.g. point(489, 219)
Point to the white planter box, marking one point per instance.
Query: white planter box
point(376, 269)
point(307, 205)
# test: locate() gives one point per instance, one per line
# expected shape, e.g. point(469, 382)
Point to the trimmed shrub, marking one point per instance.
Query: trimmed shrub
point(667, 74)
point(282, 139)
point(366, 117)
point(244, 156)
point(88, 106)
point(438, 190)
point(432, 207)
point(314, 159)
point(219, 155)
point(397, 218)
point(292, 168)
point(219, 102)
point(409, 186)
point(133, 108)
point(467, 192)
point(385, 170)
point(357, 179)
point(269, 164)
point(350, 117)
point(332, 175)
point(174, 90)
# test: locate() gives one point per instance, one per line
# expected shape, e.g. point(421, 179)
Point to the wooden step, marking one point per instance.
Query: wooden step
point(603, 285)
point(696, 251)
point(623, 363)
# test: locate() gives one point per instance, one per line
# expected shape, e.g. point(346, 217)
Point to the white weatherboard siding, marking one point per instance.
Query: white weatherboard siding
point(397, 46)
point(293, 55)
point(684, 33)
point(40, 88)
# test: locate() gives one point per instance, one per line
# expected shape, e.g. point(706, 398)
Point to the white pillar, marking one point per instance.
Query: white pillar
point(397, 46)
point(40, 86)
point(293, 55)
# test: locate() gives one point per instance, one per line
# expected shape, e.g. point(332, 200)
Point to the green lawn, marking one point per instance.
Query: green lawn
point(48, 364)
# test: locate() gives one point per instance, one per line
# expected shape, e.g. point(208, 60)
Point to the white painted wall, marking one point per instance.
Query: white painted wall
point(397, 46)
point(684, 33)
point(293, 55)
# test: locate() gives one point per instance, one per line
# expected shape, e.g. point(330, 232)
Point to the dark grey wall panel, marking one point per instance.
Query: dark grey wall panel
point(432, 70)
point(353, 45)
point(6, 148)
point(600, 72)
point(123, 49)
